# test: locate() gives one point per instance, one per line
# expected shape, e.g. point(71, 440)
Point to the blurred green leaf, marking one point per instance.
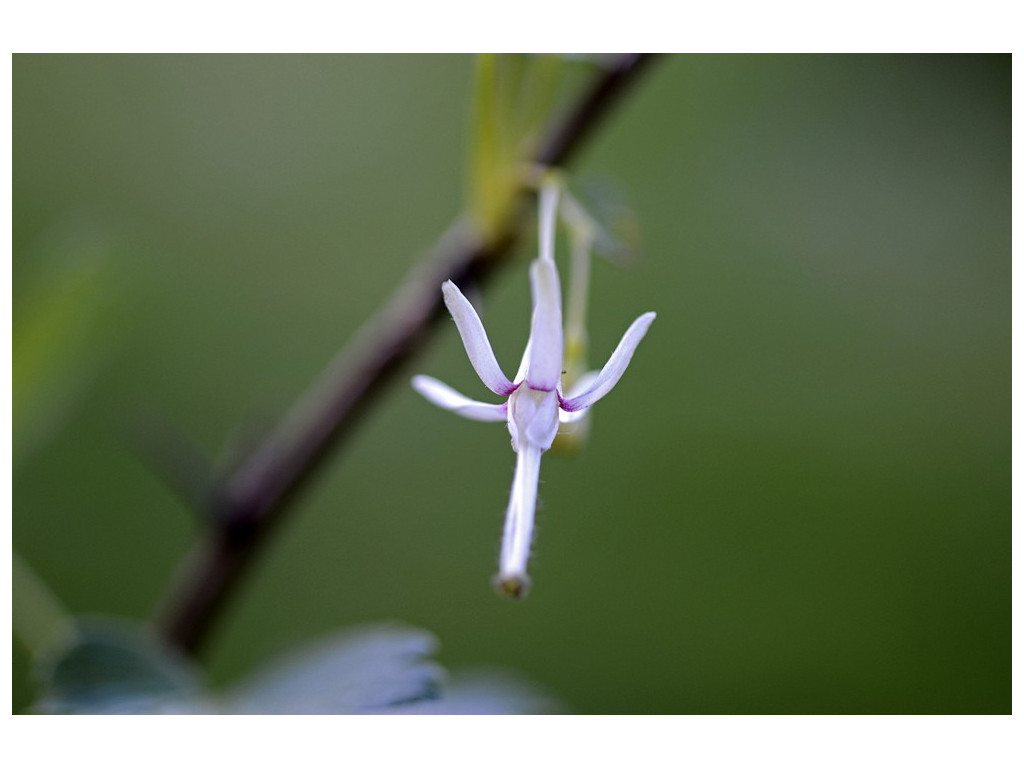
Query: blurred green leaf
point(485, 146)
point(110, 668)
point(59, 326)
point(512, 99)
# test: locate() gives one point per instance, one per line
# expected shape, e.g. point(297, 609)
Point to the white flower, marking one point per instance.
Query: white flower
point(535, 404)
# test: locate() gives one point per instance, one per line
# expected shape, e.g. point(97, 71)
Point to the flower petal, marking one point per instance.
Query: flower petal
point(443, 396)
point(545, 366)
point(474, 338)
point(546, 225)
point(524, 364)
point(568, 417)
point(583, 383)
point(614, 368)
point(515, 544)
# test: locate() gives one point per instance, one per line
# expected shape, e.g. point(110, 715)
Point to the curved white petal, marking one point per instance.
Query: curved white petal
point(583, 383)
point(524, 364)
point(545, 366)
point(474, 338)
point(443, 396)
point(615, 367)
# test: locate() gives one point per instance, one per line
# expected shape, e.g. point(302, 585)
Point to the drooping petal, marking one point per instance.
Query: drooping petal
point(546, 342)
point(474, 338)
point(443, 396)
point(515, 544)
point(614, 368)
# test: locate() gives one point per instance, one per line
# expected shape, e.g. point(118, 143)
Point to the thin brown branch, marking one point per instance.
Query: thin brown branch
point(248, 503)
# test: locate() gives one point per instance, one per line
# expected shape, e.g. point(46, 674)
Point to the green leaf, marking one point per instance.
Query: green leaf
point(485, 146)
point(63, 326)
point(512, 99)
point(118, 668)
point(112, 667)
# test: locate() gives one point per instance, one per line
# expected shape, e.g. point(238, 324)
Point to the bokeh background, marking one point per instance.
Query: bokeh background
point(797, 499)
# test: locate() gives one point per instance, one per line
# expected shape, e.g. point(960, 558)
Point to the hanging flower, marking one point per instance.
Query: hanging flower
point(535, 405)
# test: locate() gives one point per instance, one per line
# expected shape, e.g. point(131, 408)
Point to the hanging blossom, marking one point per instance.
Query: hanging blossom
point(535, 404)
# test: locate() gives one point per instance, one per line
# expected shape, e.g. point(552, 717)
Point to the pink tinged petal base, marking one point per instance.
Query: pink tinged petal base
point(512, 579)
point(443, 396)
point(585, 382)
point(545, 363)
point(614, 368)
point(474, 338)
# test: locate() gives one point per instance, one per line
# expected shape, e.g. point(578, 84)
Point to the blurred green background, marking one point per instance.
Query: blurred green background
point(796, 500)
